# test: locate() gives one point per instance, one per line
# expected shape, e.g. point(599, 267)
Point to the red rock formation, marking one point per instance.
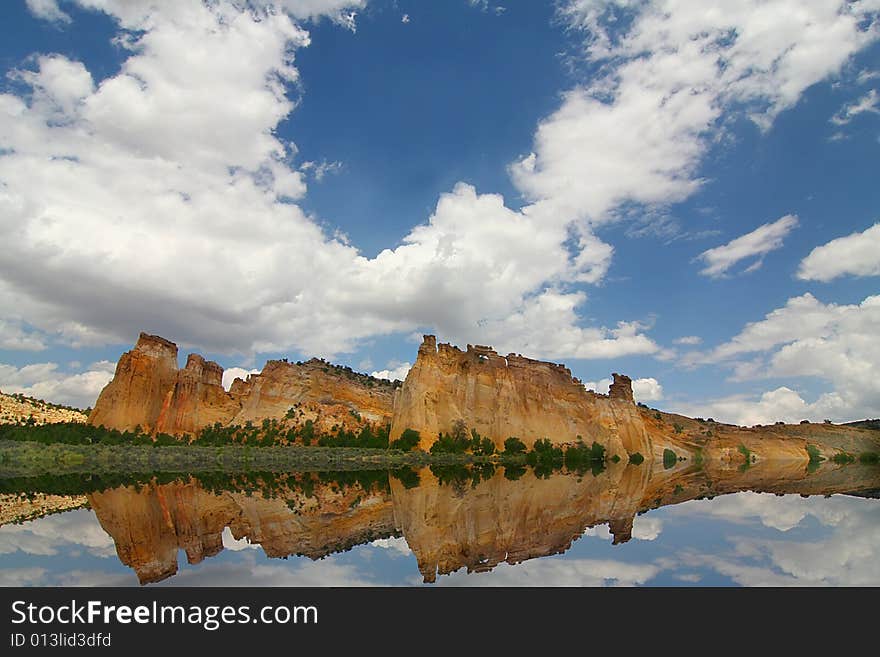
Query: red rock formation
point(621, 388)
point(197, 399)
point(281, 384)
point(148, 390)
point(137, 392)
point(503, 396)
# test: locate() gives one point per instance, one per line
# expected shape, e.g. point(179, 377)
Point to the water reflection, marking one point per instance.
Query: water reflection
point(452, 520)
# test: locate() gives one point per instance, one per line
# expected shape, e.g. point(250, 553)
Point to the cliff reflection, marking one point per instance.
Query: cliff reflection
point(451, 517)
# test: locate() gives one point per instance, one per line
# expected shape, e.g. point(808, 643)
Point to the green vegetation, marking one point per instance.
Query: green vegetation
point(460, 476)
point(408, 441)
point(678, 427)
point(514, 446)
point(842, 458)
point(615, 459)
point(747, 454)
point(25, 458)
point(678, 489)
point(406, 476)
point(816, 458)
point(636, 458)
point(815, 455)
point(455, 442)
point(669, 458)
point(514, 472)
point(579, 458)
point(545, 456)
point(657, 416)
point(869, 458)
point(698, 456)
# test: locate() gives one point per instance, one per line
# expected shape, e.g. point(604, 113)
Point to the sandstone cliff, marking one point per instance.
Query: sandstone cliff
point(135, 395)
point(504, 396)
point(149, 391)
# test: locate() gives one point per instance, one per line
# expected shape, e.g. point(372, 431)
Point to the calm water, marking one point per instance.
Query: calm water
point(626, 525)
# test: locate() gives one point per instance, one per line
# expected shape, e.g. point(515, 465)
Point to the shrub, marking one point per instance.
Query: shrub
point(742, 449)
point(636, 458)
point(544, 457)
point(407, 476)
point(869, 458)
point(669, 458)
point(842, 458)
point(456, 442)
point(815, 455)
point(514, 446)
point(657, 416)
point(678, 427)
point(407, 441)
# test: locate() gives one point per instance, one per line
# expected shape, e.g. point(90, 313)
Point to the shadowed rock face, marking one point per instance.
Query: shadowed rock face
point(149, 391)
point(504, 396)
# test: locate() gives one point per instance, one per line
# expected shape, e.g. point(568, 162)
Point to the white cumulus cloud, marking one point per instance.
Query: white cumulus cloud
point(758, 243)
point(46, 381)
point(179, 210)
point(834, 343)
point(230, 374)
point(856, 255)
point(395, 372)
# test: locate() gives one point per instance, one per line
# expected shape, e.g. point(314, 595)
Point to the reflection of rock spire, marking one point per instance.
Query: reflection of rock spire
point(621, 529)
point(149, 525)
point(447, 527)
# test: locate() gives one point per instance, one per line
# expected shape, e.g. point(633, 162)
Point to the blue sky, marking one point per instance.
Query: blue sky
point(683, 193)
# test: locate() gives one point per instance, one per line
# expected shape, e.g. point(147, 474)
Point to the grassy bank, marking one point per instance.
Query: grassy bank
point(23, 458)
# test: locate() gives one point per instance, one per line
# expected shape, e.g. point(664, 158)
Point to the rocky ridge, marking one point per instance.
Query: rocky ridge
point(149, 391)
point(19, 408)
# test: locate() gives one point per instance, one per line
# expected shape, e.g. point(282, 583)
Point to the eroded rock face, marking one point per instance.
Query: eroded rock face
point(137, 392)
point(621, 388)
point(149, 391)
point(281, 384)
point(197, 399)
point(504, 396)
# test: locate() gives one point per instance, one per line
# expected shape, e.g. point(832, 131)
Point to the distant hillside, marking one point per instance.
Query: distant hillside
point(865, 424)
point(19, 408)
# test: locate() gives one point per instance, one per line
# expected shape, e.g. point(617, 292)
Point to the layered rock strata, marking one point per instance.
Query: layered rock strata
point(504, 396)
point(149, 391)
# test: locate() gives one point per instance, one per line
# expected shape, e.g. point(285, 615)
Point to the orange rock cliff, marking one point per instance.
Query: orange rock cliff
point(498, 396)
point(148, 390)
point(504, 396)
